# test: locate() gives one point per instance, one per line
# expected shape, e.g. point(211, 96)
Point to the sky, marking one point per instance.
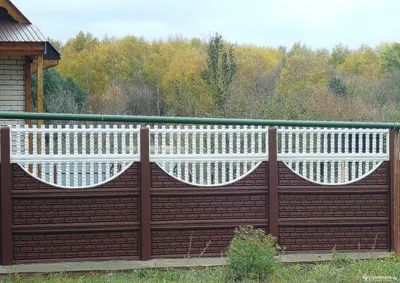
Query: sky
point(268, 23)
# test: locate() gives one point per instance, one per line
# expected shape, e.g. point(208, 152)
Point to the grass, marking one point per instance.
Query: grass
point(338, 270)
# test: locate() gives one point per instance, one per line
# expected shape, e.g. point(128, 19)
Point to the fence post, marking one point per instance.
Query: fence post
point(395, 191)
point(273, 182)
point(6, 201)
point(145, 200)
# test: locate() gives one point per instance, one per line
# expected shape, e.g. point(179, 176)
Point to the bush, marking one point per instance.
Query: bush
point(251, 255)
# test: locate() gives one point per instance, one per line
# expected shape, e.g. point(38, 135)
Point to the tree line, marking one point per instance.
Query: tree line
point(215, 78)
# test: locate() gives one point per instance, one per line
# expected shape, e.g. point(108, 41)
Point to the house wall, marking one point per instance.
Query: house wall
point(12, 87)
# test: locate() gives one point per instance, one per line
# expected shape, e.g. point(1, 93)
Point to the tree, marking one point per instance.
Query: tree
point(337, 86)
point(220, 71)
point(338, 55)
point(363, 62)
point(183, 86)
point(390, 57)
point(61, 95)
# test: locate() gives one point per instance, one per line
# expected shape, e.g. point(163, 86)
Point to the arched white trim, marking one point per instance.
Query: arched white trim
point(336, 184)
point(251, 170)
point(125, 168)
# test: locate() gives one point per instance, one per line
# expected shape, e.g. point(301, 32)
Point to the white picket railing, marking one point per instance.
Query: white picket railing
point(208, 155)
point(75, 157)
point(332, 156)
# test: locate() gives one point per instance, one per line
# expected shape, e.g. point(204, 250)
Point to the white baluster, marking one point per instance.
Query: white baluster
point(59, 173)
point(253, 145)
point(201, 143)
point(368, 137)
point(238, 150)
point(186, 153)
point(223, 145)
point(115, 149)
point(283, 140)
point(290, 145)
point(108, 151)
point(259, 139)
point(99, 153)
point(131, 144)
point(360, 151)
point(91, 145)
point(245, 147)
point(178, 151)
point(297, 150)
point(325, 148)
point(312, 152)
point(18, 140)
point(124, 144)
point(266, 140)
point(318, 149)
point(35, 148)
point(375, 137)
point(230, 130)
point(171, 148)
point(216, 151)
point(353, 170)
point(340, 163)
point(60, 153)
point(194, 151)
point(304, 151)
point(156, 145)
point(325, 151)
point(137, 136)
point(51, 153)
point(42, 140)
point(68, 152)
point(26, 144)
point(380, 143)
point(332, 169)
point(163, 144)
point(209, 172)
point(84, 152)
point(76, 147)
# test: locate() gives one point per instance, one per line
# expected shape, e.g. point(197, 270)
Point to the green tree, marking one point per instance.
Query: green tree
point(220, 71)
point(338, 55)
point(390, 57)
point(61, 95)
point(337, 86)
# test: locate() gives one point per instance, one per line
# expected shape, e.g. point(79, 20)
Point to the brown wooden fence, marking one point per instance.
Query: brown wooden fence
point(145, 213)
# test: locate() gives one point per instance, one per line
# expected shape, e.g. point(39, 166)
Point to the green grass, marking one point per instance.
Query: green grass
point(338, 270)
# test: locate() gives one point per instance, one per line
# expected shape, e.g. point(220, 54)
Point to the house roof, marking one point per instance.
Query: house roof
point(16, 28)
point(14, 12)
point(16, 32)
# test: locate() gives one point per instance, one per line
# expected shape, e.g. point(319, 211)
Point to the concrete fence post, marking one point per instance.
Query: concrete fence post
point(145, 200)
point(273, 182)
point(395, 190)
point(6, 201)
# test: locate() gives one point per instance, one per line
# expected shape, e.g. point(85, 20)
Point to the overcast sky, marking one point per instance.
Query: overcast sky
point(318, 23)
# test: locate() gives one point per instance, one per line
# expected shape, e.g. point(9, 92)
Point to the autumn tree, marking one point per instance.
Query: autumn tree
point(220, 71)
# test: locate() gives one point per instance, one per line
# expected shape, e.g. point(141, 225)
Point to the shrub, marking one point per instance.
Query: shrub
point(251, 255)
